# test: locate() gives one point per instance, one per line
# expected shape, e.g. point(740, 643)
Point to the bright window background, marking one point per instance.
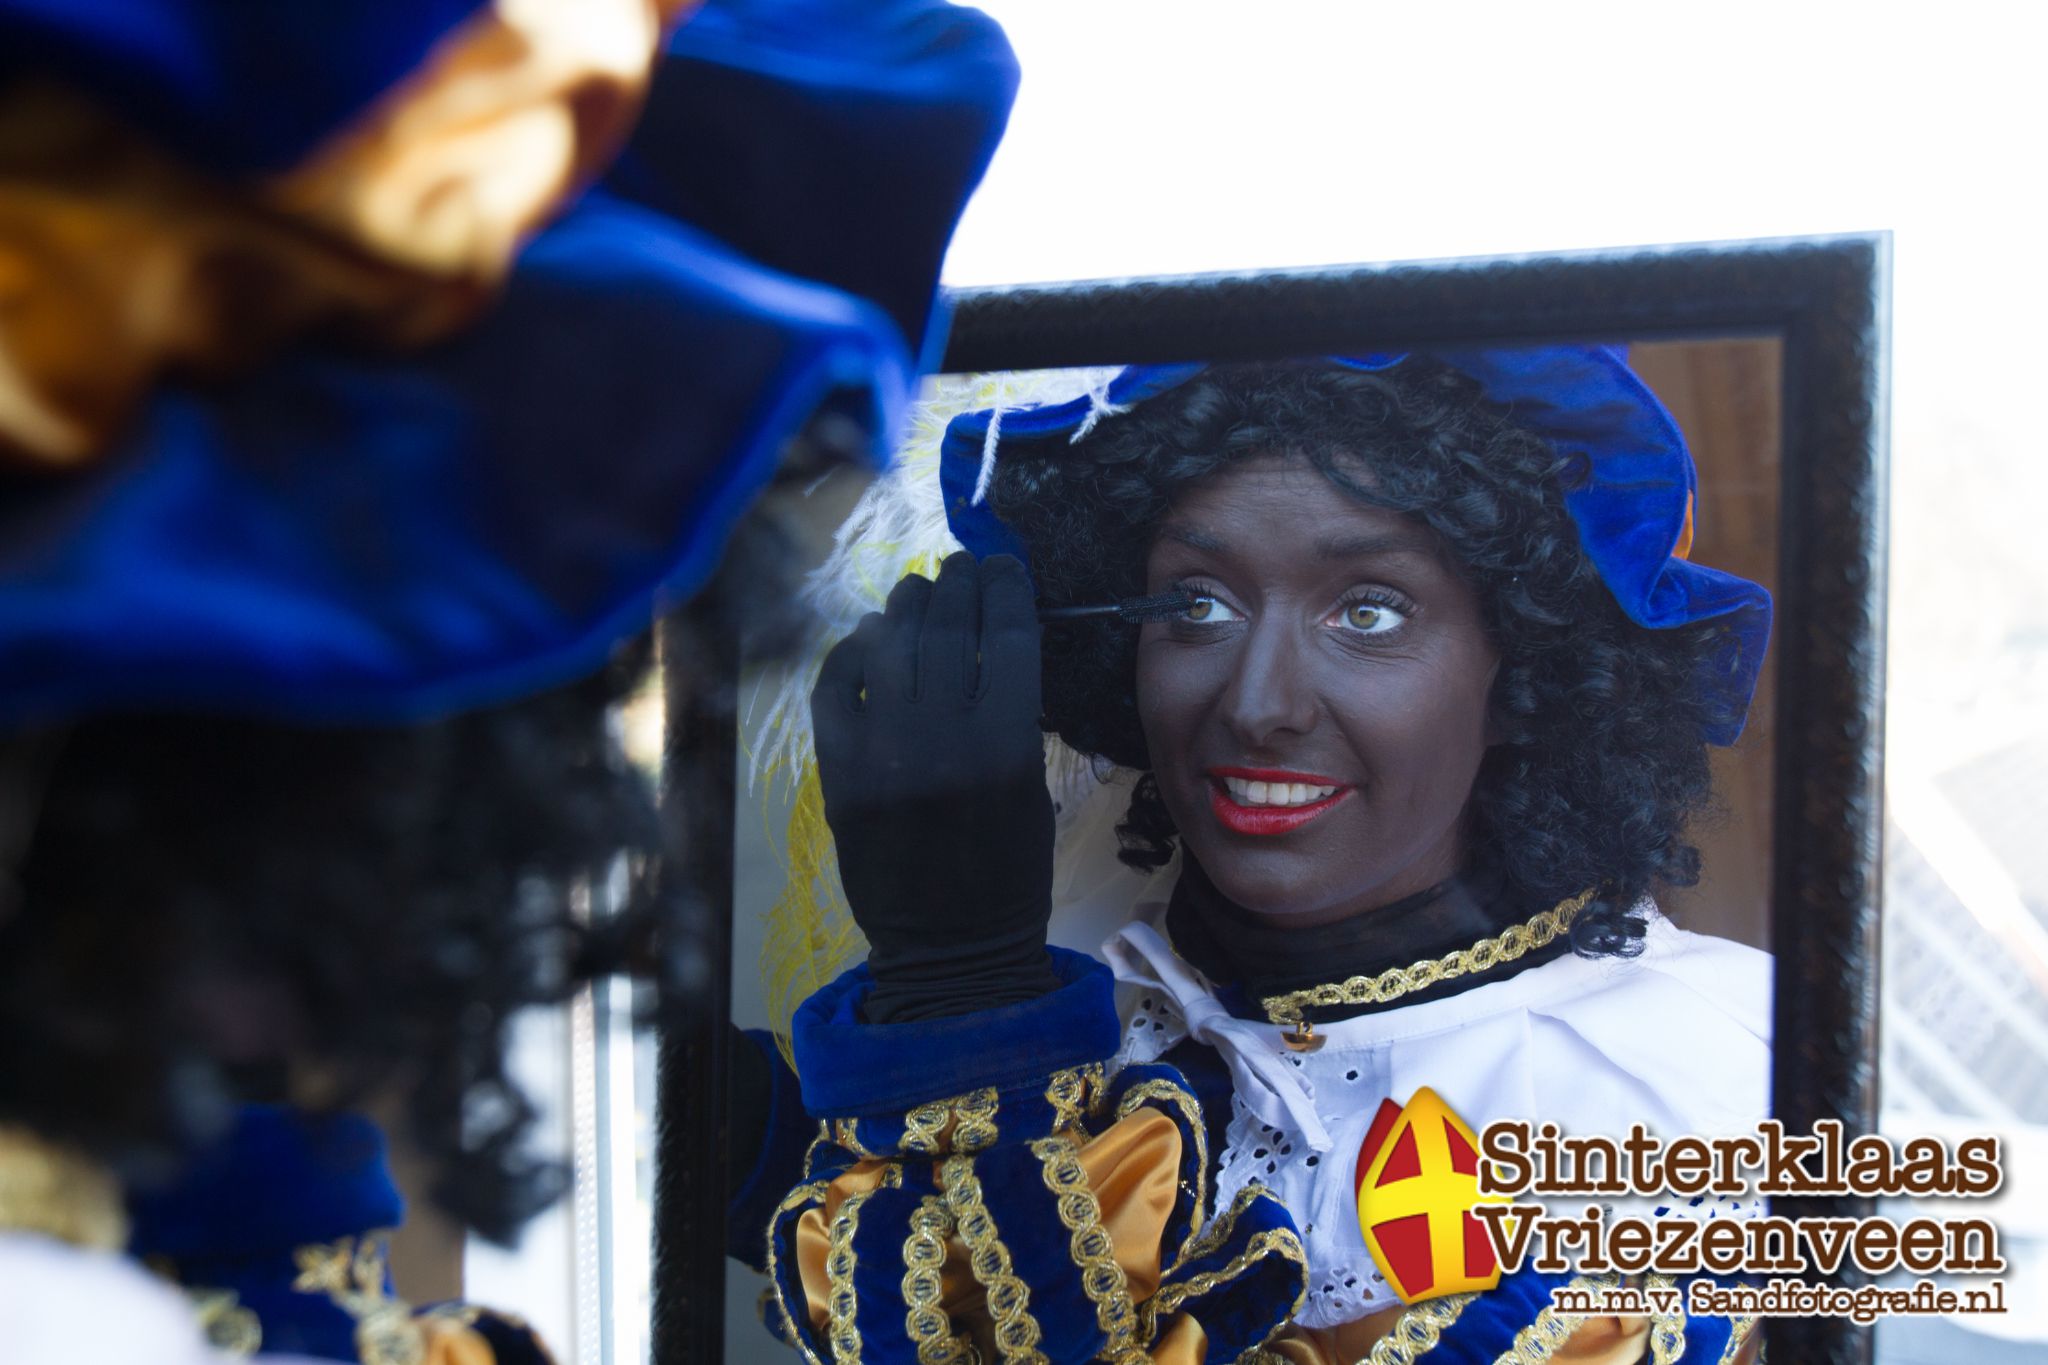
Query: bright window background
point(1157, 137)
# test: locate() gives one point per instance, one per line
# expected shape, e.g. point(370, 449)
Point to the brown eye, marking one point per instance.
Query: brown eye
point(1369, 618)
point(1208, 611)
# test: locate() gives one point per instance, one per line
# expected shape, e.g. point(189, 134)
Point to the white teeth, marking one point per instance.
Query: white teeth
point(1249, 793)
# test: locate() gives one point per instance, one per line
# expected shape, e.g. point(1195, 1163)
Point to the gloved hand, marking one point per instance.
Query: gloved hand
point(933, 771)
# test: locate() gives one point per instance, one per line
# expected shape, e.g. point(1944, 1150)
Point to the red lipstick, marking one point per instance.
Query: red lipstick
point(1268, 819)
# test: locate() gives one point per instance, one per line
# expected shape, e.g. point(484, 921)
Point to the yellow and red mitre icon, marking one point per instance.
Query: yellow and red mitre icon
point(1418, 1180)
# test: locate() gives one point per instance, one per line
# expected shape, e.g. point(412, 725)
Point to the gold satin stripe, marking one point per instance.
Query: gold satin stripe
point(514, 109)
point(1089, 1244)
point(121, 265)
point(1009, 1298)
point(1191, 1115)
point(57, 1192)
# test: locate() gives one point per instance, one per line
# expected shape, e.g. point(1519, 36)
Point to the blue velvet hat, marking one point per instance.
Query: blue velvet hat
point(1634, 509)
point(365, 539)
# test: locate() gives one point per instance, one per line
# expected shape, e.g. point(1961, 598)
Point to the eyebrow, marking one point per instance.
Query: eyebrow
point(1329, 547)
point(1357, 547)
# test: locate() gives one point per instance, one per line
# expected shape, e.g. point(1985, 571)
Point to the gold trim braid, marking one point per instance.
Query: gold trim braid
point(1667, 1330)
point(1538, 1342)
point(924, 1256)
point(1416, 1332)
point(842, 1331)
point(55, 1191)
point(1092, 1251)
point(1513, 942)
point(1009, 1299)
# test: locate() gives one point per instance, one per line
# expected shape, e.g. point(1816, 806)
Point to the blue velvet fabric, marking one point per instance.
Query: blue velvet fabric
point(890, 107)
point(786, 1136)
point(853, 1068)
point(1630, 509)
point(240, 1209)
point(340, 539)
point(236, 85)
point(1013, 1203)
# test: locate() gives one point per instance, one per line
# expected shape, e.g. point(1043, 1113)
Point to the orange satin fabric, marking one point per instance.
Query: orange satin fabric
point(452, 1343)
point(119, 263)
point(1134, 1169)
point(516, 108)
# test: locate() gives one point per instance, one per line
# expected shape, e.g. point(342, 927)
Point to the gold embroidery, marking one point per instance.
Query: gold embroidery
point(1191, 1114)
point(1416, 1332)
point(843, 1330)
point(1538, 1342)
point(924, 1254)
point(964, 1123)
point(1395, 982)
point(351, 1273)
point(1738, 1336)
point(229, 1327)
point(1088, 1242)
point(974, 1121)
point(1068, 1094)
point(1281, 1242)
point(1213, 1236)
point(845, 1132)
point(801, 1197)
point(923, 1126)
point(52, 1190)
point(1009, 1301)
point(1667, 1330)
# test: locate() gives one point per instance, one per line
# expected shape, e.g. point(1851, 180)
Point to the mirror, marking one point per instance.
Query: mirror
point(1765, 356)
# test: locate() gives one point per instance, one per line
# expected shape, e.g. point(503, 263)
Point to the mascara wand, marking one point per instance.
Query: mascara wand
point(1132, 610)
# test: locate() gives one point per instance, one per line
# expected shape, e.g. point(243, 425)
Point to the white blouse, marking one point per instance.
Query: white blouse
point(1677, 1039)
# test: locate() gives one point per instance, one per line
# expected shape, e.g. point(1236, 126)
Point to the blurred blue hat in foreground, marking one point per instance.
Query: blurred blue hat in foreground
point(339, 536)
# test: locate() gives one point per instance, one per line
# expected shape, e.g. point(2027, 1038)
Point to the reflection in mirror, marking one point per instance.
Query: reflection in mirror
point(1397, 711)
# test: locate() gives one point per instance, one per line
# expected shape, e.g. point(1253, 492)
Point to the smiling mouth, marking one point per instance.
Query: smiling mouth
point(1263, 801)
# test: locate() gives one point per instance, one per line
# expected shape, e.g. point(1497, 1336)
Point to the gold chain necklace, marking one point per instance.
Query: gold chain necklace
point(1393, 983)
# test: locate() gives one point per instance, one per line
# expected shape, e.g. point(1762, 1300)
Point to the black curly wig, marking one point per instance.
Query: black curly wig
point(207, 903)
point(1602, 762)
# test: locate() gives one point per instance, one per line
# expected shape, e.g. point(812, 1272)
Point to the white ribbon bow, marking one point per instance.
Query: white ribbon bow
point(1269, 1087)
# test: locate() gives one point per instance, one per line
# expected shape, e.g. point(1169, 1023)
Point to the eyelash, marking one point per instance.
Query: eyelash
point(1383, 598)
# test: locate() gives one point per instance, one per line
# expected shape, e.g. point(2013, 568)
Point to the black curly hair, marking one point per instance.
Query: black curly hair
point(1602, 761)
point(206, 900)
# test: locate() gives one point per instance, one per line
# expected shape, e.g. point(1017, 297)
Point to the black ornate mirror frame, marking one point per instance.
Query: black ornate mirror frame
point(1825, 298)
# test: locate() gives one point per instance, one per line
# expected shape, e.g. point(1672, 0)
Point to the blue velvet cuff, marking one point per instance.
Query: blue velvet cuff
point(854, 1069)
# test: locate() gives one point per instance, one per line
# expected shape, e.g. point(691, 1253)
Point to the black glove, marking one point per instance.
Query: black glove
point(933, 770)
